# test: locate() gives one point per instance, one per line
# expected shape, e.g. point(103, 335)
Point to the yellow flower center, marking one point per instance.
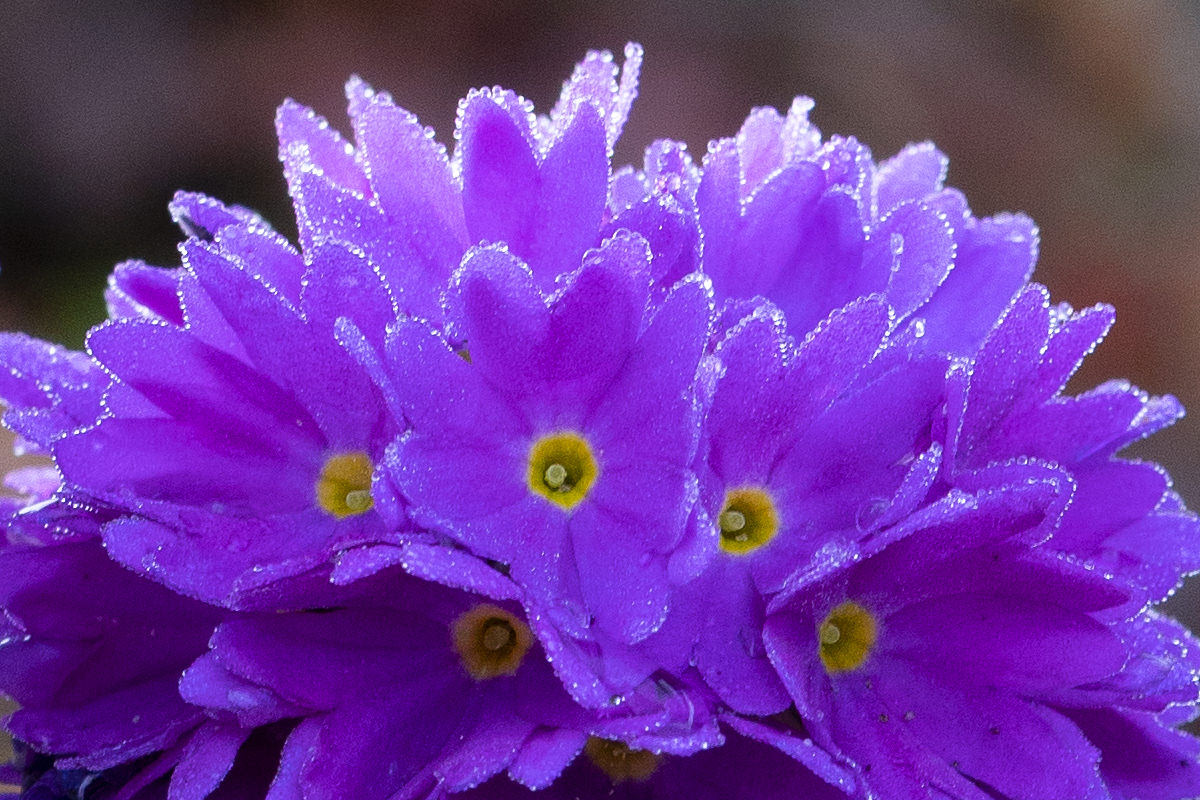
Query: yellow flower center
point(846, 638)
point(344, 487)
point(562, 468)
point(748, 520)
point(490, 641)
point(620, 762)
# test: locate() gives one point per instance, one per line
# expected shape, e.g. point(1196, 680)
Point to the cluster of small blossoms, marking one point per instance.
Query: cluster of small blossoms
point(519, 477)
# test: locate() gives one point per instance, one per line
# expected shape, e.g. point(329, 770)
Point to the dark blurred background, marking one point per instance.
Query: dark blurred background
point(1084, 114)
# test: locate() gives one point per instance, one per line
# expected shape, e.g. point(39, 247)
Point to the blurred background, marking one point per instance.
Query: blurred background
point(1084, 114)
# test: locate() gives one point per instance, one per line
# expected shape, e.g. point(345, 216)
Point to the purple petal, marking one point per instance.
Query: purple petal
point(625, 591)
point(914, 173)
point(595, 81)
point(573, 189)
point(777, 217)
point(545, 755)
point(994, 259)
point(324, 148)
point(299, 750)
point(382, 745)
point(410, 174)
point(206, 760)
point(1004, 641)
point(202, 217)
point(822, 267)
point(229, 698)
point(1024, 750)
point(1139, 757)
point(730, 654)
point(917, 243)
point(136, 289)
point(760, 147)
point(501, 184)
point(299, 358)
point(338, 273)
point(184, 462)
point(651, 393)
point(221, 557)
point(671, 233)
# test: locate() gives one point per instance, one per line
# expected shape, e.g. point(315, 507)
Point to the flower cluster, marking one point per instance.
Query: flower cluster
point(518, 477)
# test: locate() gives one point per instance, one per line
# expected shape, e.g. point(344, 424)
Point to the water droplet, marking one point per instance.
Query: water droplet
point(869, 513)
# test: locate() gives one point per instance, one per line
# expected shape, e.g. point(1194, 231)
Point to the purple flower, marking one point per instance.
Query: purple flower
point(517, 476)
point(809, 451)
point(539, 184)
point(243, 443)
point(811, 225)
point(93, 654)
point(608, 769)
point(937, 661)
point(1008, 404)
point(402, 686)
point(563, 449)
